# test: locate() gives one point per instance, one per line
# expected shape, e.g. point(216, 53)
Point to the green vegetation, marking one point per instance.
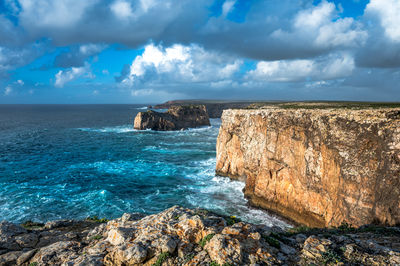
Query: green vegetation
point(331, 257)
point(96, 237)
point(231, 220)
point(31, 225)
point(161, 258)
point(325, 105)
point(201, 212)
point(96, 219)
point(205, 239)
point(33, 264)
point(214, 263)
point(273, 242)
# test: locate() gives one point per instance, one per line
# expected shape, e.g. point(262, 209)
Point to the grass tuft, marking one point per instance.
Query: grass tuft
point(205, 239)
point(161, 258)
point(31, 225)
point(96, 219)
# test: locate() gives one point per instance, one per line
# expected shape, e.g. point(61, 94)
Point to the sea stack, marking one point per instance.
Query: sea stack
point(318, 167)
point(176, 118)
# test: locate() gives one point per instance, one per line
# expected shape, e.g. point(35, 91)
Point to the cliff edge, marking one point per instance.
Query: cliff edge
point(319, 167)
point(176, 118)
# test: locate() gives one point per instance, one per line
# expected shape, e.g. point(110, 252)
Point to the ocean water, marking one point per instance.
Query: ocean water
point(75, 161)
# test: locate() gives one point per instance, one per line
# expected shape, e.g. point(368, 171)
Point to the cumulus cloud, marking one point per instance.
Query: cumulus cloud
point(180, 64)
point(53, 14)
point(382, 49)
point(122, 9)
point(387, 12)
point(320, 25)
point(65, 76)
point(201, 46)
point(334, 66)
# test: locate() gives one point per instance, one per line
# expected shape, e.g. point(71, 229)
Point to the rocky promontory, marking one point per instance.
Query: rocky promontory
point(214, 107)
point(176, 118)
point(179, 236)
point(317, 166)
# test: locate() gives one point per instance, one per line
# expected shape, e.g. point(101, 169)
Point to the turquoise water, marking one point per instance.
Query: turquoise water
point(74, 161)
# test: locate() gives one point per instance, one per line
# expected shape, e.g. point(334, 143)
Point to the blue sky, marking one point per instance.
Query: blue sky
point(149, 51)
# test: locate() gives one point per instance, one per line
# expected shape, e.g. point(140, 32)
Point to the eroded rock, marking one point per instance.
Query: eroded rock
point(319, 167)
point(179, 236)
point(176, 118)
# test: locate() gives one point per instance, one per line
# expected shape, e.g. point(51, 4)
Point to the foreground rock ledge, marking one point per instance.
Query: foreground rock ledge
point(176, 118)
point(179, 236)
point(317, 167)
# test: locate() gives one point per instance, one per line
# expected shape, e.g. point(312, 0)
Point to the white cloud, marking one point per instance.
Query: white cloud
point(53, 14)
point(91, 49)
point(121, 9)
point(147, 4)
point(321, 25)
point(20, 82)
point(8, 90)
point(65, 76)
point(388, 12)
point(324, 68)
point(227, 7)
point(180, 64)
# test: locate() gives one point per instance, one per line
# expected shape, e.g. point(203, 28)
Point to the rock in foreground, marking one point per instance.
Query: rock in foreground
point(179, 236)
point(319, 167)
point(176, 118)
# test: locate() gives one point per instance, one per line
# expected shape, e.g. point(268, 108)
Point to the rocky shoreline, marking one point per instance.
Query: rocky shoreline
point(179, 236)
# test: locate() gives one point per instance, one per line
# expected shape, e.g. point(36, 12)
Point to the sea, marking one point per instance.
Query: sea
point(76, 161)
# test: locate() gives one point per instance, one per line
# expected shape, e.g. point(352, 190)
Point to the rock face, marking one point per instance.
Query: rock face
point(214, 108)
point(176, 118)
point(320, 167)
point(179, 236)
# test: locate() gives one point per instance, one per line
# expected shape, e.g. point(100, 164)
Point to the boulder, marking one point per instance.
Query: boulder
point(176, 118)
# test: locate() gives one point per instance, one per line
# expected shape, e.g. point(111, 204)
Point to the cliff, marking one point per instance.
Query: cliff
point(214, 108)
point(176, 118)
point(319, 167)
point(179, 236)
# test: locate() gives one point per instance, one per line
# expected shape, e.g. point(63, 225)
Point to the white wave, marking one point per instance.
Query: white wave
point(225, 196)
point(142, 108)
point(116, 129)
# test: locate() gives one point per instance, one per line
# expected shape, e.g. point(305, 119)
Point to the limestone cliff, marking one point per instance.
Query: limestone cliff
point(176, 118)
point(319, 167)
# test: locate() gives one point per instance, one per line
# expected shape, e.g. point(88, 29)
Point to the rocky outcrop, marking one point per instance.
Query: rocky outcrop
point(176, 118)
point(214, 108)
point(179, 236)
point(319, 167)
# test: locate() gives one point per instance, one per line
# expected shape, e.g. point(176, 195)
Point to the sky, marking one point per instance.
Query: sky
point(150, 51)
